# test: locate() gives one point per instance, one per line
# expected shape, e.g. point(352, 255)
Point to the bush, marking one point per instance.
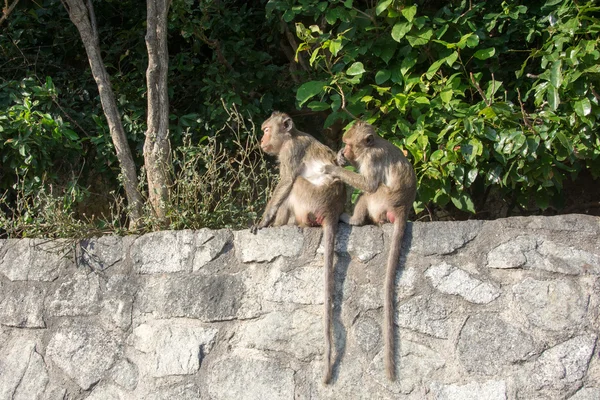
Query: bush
point(483, 95)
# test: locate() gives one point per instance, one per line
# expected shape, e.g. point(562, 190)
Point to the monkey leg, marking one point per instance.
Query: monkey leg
point(283, 216)
point(361, 212)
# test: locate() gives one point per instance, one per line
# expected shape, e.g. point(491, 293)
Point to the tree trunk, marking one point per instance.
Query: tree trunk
point(157, 149)
point(82, 14)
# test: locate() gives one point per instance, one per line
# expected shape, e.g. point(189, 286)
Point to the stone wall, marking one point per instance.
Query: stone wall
point(505, 309)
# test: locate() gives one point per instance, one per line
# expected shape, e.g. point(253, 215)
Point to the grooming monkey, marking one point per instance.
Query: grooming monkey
point(305, 197)
point(388, 182)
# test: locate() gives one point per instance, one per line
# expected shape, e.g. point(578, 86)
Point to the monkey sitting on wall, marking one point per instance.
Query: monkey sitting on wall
point(306, 197)
point(389, 184)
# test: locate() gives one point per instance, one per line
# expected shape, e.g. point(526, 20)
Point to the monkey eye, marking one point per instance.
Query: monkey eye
point(267, 129)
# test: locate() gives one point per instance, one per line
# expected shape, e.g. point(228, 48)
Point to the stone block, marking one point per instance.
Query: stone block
point(22, 305)
point(83, 351)
point(76, 294)
point(426, 315)
point(489, 390)
point(163, 252)
point(439, 238)
point(35, 259)
point(209, 244)
point(451, 280)
point(488, 344)
point(101, 253)
point(268, 244)
point(555, 305)
point(173, 347)
point(23, 372)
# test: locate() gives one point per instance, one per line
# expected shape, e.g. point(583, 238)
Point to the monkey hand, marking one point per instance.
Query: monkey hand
point(340, 159)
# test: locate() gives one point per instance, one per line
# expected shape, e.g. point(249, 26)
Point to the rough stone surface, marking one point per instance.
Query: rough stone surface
point(34, 259)
point(451, 280)
point(23, 373)
point(267, 244)
point(159, 252)
point(487, 345)
point(554, 305)
point(173, 347)
point(489, 390)
point(250, 379)
point(83, 351)
point(23, 306)
point(504, 309)
point(209, 244)
point(78, 294)
point(563, 366)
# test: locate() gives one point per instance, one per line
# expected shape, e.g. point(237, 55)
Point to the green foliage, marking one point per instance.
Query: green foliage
point(31, 135)
point(485, 94)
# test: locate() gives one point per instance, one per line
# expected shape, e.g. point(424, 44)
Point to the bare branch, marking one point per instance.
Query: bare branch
point(7, 10)
point(479, 90)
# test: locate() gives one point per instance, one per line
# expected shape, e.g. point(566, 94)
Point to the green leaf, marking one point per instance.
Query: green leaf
point(335, 46)
point(409, 12)
point(407, 64)
point(553, 98)
point(400, 29)
point(556, 74)
point(472, 40)
point(382, 6)
point(382, 76)
point(451, 59)
point(583, 107)
point(463, 202)
point(318, 106)
point(420, 38)
point(484, 54)
point(434, 68)
point(308, 90)
point(356, 68)
point(446, 95)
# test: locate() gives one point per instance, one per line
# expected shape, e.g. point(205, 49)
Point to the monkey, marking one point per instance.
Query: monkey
point(305, 197)
point(388, 183)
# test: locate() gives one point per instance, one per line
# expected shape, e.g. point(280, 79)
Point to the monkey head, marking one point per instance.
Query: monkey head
point(277, 129)
point(357, 140)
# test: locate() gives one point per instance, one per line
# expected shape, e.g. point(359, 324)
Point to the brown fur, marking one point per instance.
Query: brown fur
point(306, 197)
point(389, 185)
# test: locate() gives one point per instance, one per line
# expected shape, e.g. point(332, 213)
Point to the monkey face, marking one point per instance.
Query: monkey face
point(276, 131)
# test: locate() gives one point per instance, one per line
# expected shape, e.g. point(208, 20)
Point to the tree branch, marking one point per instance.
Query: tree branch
point(7, 10)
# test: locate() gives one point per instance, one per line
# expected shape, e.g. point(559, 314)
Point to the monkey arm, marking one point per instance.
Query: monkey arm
point(280, 194)
point(366, 184)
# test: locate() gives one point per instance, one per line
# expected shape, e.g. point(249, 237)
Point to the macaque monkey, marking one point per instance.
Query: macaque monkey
point(388, 182)
point(306, 197)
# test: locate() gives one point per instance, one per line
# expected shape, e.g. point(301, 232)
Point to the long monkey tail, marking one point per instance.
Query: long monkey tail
point(329, 231)
point(388, 302)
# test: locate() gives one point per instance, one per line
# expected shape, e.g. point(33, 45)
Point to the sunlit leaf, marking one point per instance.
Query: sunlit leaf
point(308, 90)
point(400, 30)
point(583, 107)
point(356, 68)
point(484, 54)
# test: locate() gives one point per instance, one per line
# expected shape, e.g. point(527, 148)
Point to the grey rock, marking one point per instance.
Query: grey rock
point(443, 237)
point(367, 333)
point(188, 391)
point(302, 285)
point(23, 373)
point(207, 298)
point(267, 244)
point(562, 367)
point(163, 252)
point(250, 378)
point(23, 306)
point(77, 294)
point(298, 333)
point(35, 259)
point(173, 347)
point(107, 392)
point(533, 252)
point(487, 344)
point(209, 244)
point(414, 367)
point(489, 390)
point(361, 242)
point(101, 253)
point(512, 254)
point(117, 301)
point(555, 305)
point(451, 280)
point(125, 374)
point(586, 394)
point(427, 315)
point(83, 351)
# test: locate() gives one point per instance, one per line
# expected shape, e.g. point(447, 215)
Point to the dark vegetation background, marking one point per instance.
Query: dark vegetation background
point(495, 103)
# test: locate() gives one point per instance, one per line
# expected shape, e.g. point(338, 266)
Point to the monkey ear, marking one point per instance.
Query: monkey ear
point(288, 124)
point(369, 140)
